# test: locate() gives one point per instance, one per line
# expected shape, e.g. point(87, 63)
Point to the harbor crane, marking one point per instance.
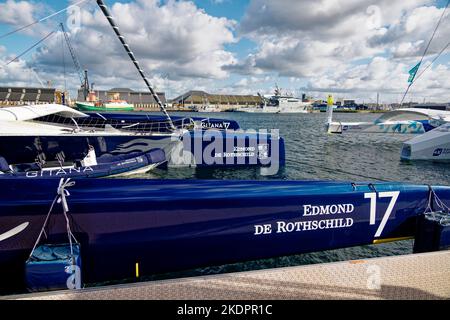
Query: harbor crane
point(83, 75)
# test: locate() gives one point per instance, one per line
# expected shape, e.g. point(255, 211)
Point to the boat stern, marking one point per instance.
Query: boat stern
point(433, 145)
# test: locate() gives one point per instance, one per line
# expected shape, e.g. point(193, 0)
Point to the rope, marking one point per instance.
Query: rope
point(432, 62)
point(426, 49)
point(29, 49)
point(60, 198)
point(434, 32)
point(429, 208)
point(433, 198)
point(41, 20)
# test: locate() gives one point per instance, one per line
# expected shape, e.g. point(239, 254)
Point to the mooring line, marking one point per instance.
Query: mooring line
point(41, 20)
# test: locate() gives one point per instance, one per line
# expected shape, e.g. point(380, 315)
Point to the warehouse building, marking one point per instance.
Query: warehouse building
point(198, 99)
point(140, 100)
point(16, 96)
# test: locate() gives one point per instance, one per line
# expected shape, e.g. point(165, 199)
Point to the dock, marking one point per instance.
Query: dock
point(420, 276)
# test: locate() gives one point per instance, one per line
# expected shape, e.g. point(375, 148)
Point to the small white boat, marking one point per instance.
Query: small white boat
point(261, 109)
point(401, 121)
point(292, 105)
point(433, 145)
point(286, 103)
point(278, 103)
point(433, 127)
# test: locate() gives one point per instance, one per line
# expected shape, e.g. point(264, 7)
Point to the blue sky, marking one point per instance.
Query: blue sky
point(256, 43)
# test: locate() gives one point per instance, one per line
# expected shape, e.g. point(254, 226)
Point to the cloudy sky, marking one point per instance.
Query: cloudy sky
point(351, 48)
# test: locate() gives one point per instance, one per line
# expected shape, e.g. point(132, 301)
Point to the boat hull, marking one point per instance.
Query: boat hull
point(102, 108)
point(178, 225)
point(393, 127)
point(296, 111)
point(202, 148)
point(431, 146)
point(401, 121)
point(119, 120)
point(273, 110)
point(25, 149)
point(218, 148)
point(108, 166)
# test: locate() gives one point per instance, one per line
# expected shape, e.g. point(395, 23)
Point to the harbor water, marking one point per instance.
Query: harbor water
point(312, 154)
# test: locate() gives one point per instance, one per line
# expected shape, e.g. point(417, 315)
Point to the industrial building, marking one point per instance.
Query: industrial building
point(140, 100)
point(15, 96)
point(198, 99)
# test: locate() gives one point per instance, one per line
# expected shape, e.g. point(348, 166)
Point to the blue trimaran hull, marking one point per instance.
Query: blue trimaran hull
point(174, 225)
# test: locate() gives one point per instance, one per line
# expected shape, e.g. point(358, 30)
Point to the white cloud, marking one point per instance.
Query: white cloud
point(385, 76)
point(325, 18)
point(17, 13)
point(21, 13)
point(175, 38)
point(410, 35)
point(17, 73)
point(355, 46)
point(342, 45)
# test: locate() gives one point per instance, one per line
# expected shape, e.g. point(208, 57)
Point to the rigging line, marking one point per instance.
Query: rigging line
point(41, 20)
point(432, 62)
point(435, 30)
point(428, 47)
point(29, 49)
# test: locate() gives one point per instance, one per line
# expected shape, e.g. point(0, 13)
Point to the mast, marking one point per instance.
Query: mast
point(111, 21)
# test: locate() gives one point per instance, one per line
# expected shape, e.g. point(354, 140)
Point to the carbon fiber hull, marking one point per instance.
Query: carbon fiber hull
point(169, 225)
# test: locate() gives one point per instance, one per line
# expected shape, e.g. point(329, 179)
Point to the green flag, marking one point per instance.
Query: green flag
point(413, 72)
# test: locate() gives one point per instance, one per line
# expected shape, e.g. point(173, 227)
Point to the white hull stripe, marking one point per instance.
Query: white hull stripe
point(11, 233)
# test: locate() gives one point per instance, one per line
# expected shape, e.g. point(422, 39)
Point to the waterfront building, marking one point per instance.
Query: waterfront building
point(195, 100)
point(16, 96)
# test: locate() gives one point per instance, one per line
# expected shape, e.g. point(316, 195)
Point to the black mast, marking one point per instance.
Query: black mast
point(108, 16)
